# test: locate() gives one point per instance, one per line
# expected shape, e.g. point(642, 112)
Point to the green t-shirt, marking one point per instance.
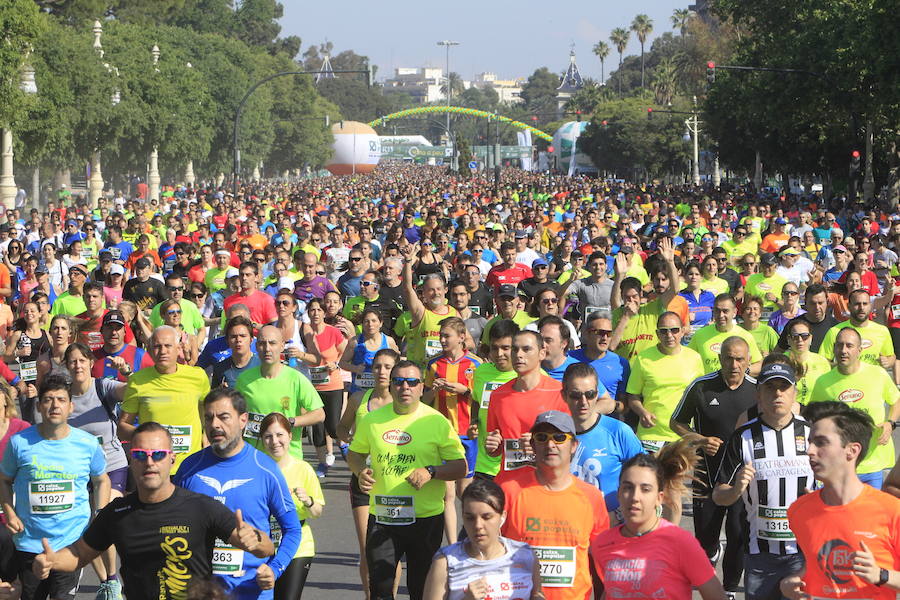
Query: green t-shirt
point(215, 279)
point(289, 393)
point(640, 332)
point(760, 285)
point(816, 365)
point(486, 379)
point(397, 445)
point(766, 337)
point(707, 342)
point(67, 304)
point(876, 342)
point(191, 319)
point(868, 390)
point(660, 379)
point(521, 318)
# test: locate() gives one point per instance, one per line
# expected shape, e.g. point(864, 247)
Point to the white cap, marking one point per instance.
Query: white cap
point(285, 283)
point(231, 272)
point(116, 269)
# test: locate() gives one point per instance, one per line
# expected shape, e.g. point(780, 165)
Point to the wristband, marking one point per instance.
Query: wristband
point(431, 470)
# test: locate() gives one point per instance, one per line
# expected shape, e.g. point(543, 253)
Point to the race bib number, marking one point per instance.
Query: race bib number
point(365, 380)
point(589, 310)
point(766, 314)
point(652, 446)
point(319, 375)
point(251, 431)
point(476, 310)
point(52, 496)
point(489, 387)
point(557, 565)
point(181, 438)
point(28, 370)
point(433, 348)
point(895, 311)
point(516, 456)
point(773, 524)
point(227, 560)
point(395, 510)
point(275, 531)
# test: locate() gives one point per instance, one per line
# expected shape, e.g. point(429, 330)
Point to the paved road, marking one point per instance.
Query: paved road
point(334, 574)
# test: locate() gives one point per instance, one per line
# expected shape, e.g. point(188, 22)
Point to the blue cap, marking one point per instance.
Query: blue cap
point(538, 262)
point(781, 221)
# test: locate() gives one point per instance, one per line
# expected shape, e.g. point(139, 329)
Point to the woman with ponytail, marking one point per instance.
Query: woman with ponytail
point(647, 556)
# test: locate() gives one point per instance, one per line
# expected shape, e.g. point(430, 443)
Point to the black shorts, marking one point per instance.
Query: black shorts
point(357, 496)
point(59, 585)
point(480, 475)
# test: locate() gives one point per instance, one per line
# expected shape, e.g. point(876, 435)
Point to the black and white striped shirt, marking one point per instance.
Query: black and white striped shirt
point(782, 473)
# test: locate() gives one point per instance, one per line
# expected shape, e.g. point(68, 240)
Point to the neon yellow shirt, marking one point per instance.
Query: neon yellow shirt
point(660, 379)
point(766, 337)
point(422, 341)
point(760, 285)
point(486, 379)
point(521, 318)
point(299, 473)
point(173, 400)
point(876, 342)
point(707, 342)
point(869, 389)
point(399, 444)
point(816, 366)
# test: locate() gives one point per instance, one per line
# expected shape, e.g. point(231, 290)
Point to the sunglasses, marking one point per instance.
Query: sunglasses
point(589, 395)
point(320, 273)
point(790, 293)
point(175, 288)
point(174, 311)
point(800, 336)
point(668, 330)
point(142, 455)
point(284, 302)
point(542, 437)
point(196, 296)
point(368, 283)
point(749, 263)
point(355, 258)
point(600, 331)
point(409, 381)
point(77, 272)
point(549, 300)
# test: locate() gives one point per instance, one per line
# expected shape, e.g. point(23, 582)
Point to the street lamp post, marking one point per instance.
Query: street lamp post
point(447, 44)
point(95, 182)
point(153, 178)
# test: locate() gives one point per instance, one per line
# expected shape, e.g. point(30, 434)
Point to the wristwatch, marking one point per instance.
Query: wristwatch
point(883, 577)
point(430, 470)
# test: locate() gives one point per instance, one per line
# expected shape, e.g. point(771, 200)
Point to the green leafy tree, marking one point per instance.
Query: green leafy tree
point(680, 19)
point(619, 38)
point(642, 26)
point(665, 81)
point(539, 92)
point(21, 24)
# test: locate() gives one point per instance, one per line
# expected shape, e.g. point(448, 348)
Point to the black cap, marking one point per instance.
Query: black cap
point(777, 371)
point(768, 259)
point(508, 290)
point(142, 263)
point(114, 317)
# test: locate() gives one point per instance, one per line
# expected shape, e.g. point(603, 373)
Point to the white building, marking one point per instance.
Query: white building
point(509, 90)
point(422, 83)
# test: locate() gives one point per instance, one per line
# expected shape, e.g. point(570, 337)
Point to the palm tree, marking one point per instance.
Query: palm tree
point(642, 26)
point(680, 19)
point(456, 85)
point(619, 37)
point(665, 81)
point(601, 49)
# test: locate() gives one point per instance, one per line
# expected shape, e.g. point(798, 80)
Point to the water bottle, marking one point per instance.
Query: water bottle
point(292, 360)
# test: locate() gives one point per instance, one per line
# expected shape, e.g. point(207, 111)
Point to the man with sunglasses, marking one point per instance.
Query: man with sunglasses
point(507, 302)
point(191, 319)
point(414, 450)
point(71, 301)
point(658, 378)
point(349, 283)
point(612, 369)
point(554, 511)
point(708, 340)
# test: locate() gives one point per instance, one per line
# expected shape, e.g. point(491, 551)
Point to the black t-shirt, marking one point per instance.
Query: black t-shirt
point(532, 288)
point(714, 409)
point(146, 294)
point(164, 546)
point(394, 294)
point(733, 279)
point(818, 331)
point(482, 301)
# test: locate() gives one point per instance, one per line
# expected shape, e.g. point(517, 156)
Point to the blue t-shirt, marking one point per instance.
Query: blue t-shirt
point(217, 350)
point(699, 310)
point(600, 453)
point(559, 371)
point(120, 251)
point(50, 480)
point(612, 370)
point(251, 481)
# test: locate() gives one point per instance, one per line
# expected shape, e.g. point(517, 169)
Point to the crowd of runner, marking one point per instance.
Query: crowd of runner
point(580, 365)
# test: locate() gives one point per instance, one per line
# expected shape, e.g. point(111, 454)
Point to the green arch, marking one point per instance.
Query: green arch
point(459, 110)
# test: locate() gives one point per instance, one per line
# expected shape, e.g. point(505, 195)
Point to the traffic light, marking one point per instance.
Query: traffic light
point(710, 73)
point(550, 149)
point(649, 114)
point(604, 123)
point(854, 164)
point(578, 115)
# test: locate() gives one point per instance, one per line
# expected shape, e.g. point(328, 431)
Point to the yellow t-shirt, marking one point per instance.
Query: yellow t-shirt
point(172, 400)
point(816, 366)
point(707, 342)
point(423, 341)
point(397, 445)
point(716, 285)
point(876, 342)
point(661, 380)
point(299, 473)
point(868, 390)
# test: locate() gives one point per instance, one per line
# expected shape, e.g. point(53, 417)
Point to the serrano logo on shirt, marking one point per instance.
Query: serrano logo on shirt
point(715, 347)
point(850, 396)
point(397, 437)
point(866, 344)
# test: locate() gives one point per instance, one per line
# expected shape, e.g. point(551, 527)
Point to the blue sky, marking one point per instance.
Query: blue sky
point(509, 38)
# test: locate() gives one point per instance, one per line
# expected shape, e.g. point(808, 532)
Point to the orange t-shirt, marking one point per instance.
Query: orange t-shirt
point(828, 535)
point(513, 413)
point(323, 379)
point(559, 526)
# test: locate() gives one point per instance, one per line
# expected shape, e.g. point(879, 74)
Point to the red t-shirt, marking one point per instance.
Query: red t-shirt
point(513, 413)
point(499, 275)
point(559, 526)
point(664, 563)
point(261, 305)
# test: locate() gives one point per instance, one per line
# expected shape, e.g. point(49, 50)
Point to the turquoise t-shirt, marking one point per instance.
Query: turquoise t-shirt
point(50, 480)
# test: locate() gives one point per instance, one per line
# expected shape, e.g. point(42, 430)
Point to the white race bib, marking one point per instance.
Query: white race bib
point(94, 339)
point(652, 446)
point(227, 560)
point(395, 510)
point(28, 370)
point(433, 348)
point(51, 496)
point(516, 456)
point(365, 380)
point(181, 438)
point(773, 524)
point(895, 311)
point(557, 565)
point(489, 387)
point(319, 375)
point(275, 531)
point(251, 431)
